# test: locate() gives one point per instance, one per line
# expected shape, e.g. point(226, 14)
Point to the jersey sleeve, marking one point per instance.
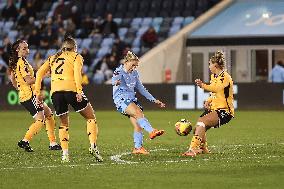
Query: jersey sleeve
point(217, 85)
point(78, 64)
point(39, 76)
point(116, 76)
point(143, 91)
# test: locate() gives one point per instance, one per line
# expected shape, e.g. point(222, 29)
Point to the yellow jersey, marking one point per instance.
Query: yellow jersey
point(22, 70)
point(65, 72)
point(221, 92)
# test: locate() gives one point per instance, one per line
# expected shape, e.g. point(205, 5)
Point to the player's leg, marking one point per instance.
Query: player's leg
point(211, 119)
point(86, 110)
point(61, 110)
point(134, 111)
point(64, 136)
point(37, 112)
point(50, 128)
point(138, 138)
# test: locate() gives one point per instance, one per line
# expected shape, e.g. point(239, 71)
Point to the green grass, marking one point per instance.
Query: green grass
point(247, 153)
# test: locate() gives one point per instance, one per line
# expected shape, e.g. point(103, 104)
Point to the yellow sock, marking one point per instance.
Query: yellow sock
point(92, 130)
point(50, 128)
point(64, 136)
point(33, 129)
point(195, 142)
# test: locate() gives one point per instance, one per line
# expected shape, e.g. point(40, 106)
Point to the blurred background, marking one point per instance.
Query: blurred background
point(173, 38)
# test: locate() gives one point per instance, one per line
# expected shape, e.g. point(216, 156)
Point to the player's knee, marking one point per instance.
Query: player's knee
point(200, 124)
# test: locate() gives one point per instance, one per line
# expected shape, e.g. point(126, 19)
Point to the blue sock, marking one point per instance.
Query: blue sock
point(138, 139)
point(144, 123)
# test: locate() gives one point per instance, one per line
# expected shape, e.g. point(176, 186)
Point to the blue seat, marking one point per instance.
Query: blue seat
point(174, 30)
point(117, 20)
point(157, 20)
point(178, 20)
point(122, 32)
point(86, 43)
point(50, 52)
point(136, 42)
point(102, 52)
point(107, 42)
point(147, 21)
point(136, 22)
point(136, 50)
point(141, 31)
point(188, 20)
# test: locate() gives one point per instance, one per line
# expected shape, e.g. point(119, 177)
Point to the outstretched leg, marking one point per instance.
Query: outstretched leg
point(134, 111)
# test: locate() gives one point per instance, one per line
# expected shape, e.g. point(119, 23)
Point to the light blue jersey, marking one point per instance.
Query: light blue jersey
point(124, 93)
point(277, 74)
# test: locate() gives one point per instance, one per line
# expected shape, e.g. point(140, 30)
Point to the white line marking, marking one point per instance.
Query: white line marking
point(117, 159)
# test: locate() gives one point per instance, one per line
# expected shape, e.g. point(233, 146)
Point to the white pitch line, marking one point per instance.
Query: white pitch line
point(117, 159)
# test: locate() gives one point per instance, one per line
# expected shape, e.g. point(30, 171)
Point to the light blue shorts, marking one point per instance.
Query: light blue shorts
point(122, 104)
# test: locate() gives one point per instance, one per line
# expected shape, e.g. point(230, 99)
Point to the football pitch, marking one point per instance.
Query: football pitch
point(246, 153)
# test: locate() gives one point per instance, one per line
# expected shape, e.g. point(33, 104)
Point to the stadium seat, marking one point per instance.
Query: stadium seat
point(103, 51)
point(174, 30)
point(118, 20)
point(157, 21)
point(188, 20)
point(136, 50)
point(122, 32)
point(136, 23)
point(136, 42)
point(178, 20)
point(147, 21)
point(107, 42)
point(141, 31)
point(86, 43)
point(50, 52)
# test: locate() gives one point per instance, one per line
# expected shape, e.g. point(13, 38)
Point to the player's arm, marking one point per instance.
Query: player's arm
point(78, 65)
point(39, 76)
point(143, 91)
point(116, 78)
point(24, 70)
point(214, 86)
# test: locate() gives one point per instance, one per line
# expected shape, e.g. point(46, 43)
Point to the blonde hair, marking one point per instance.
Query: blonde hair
point(129, 56)
point(219, 58)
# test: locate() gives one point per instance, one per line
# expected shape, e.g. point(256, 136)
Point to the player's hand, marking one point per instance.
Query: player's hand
point(79, 97)
point(207, 105)
point(198, 82)
point(117, 82)
point(160, 104)
point(39, 100)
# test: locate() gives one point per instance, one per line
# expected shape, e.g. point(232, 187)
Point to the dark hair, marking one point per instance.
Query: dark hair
point(218, 58)
point(13, 57)
point(68, 44)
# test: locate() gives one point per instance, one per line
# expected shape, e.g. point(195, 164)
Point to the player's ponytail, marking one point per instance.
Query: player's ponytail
point(13, 56)
point(68, 44)
point(129, 57)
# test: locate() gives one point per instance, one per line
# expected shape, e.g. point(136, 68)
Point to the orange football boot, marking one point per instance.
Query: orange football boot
point(141, 150)
point(156, 133)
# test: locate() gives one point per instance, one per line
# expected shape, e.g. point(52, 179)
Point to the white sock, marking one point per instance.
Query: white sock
point(52, 143)
point(65, 152)
point(25, 140)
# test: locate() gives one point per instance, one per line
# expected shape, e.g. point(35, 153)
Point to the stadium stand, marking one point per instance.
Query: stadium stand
point(51, 20)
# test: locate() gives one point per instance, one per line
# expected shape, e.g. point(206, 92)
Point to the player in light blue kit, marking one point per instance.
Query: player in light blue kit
point(125, 80)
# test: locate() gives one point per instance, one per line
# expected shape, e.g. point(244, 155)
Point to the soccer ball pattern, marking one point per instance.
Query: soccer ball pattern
point(183, 127)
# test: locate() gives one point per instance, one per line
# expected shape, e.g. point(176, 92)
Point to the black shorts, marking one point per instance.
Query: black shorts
point(61, 100)
point(224, 117)
point(32, 107)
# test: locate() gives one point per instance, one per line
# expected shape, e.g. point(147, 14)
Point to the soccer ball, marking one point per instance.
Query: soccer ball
point(183, 127)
